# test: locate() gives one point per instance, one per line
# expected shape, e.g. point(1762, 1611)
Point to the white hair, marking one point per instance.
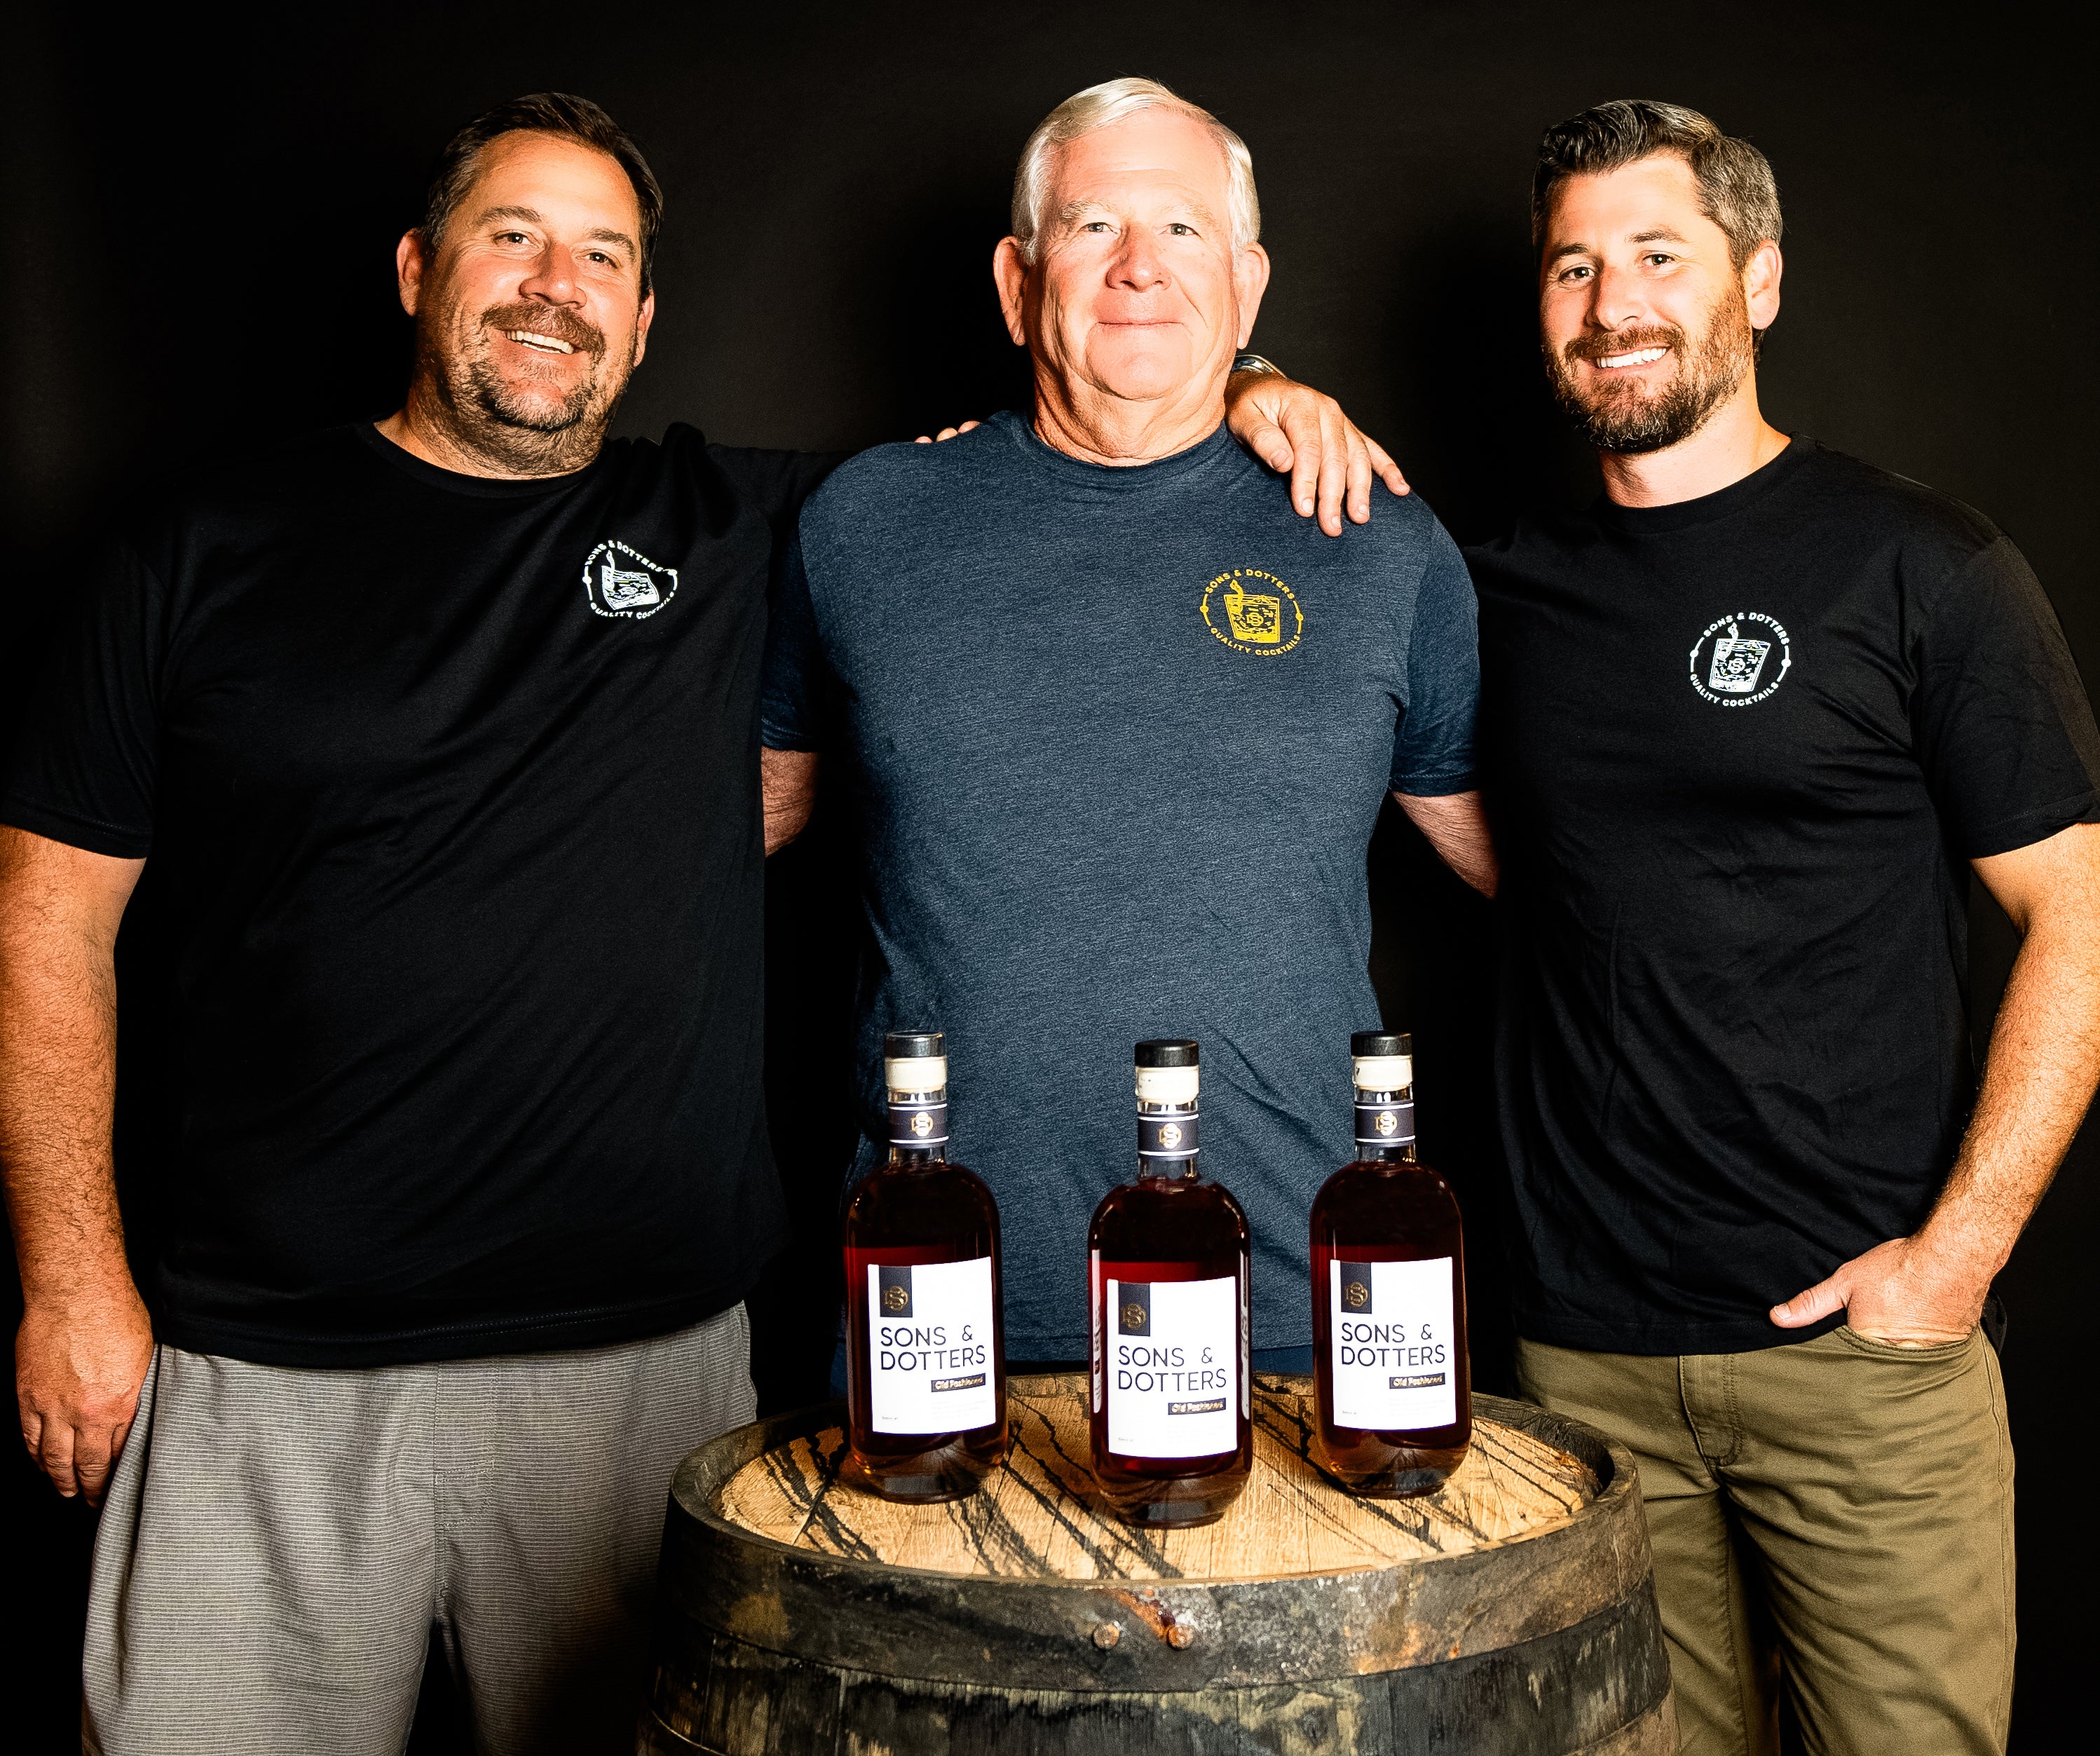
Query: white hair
point(1103, 106)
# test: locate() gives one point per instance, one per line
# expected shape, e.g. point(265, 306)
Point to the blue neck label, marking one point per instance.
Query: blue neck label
point(1386, 1124)
point(1168, 1136)
point(918, 1124)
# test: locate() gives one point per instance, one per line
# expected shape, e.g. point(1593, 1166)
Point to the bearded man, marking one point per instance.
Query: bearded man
point(442, 734)
point(1750, 721)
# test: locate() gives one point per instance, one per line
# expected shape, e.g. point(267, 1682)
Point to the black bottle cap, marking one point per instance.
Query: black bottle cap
point(1166, 1051)
point(1369, 1042)
point(911, 1045)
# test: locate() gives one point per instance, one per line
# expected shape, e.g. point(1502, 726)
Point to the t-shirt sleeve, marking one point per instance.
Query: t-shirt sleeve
point(2005, 729)
point(81, 768)
point(789, 703)
point(1432, 751)
point(776, 481)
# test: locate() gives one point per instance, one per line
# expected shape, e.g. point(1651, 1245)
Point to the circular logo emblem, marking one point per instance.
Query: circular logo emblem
point(622, 581)
point(1355, 1296)
point(922, 1124)
point(1252, 610)
point(1170, 1134)
point(1740, 659)
point(894, 1297)
point(1388, 1122)
point(1133, 1316)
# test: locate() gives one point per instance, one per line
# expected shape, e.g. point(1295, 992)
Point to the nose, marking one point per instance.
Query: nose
point(552, 278)
point(1616, 298)
point(1137, 267)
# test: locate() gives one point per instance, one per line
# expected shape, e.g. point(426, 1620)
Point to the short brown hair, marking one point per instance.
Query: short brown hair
point(1736, 190)
point(545, 113)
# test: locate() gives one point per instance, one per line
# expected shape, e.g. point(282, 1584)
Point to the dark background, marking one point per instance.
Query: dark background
point(201, 216)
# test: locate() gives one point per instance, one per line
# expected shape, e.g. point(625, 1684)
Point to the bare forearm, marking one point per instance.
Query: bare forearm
point(58, 1077)
point(2039, 1078)
point(1457, 827)
point(788, 784)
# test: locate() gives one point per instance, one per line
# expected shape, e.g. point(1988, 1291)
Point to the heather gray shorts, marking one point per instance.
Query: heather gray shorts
point(278, 1544)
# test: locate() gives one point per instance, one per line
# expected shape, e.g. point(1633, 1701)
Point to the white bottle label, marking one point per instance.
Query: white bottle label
point(1395, 1355)
point(1173, 1367)
point(929, 1347)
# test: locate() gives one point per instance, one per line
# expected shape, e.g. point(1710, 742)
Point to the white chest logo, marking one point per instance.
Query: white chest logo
point(1741, 658)
point(624, 581)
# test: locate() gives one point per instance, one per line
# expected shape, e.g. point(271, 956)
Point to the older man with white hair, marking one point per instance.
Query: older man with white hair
point(1120, 724)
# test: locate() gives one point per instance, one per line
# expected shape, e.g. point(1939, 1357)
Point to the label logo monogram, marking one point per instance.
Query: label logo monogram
point(922, 1124)
point(1388, 1122)
point(1731, 662)
point(1170, 1134)
point(1253, 611)
point(621, 581)
point(894, 1297)
point(1135, 1319)
point(1356, 1295)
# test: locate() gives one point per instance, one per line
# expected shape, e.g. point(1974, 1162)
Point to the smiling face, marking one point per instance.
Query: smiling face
point(1137, 294)
point(1646, 323)
point(530, 316)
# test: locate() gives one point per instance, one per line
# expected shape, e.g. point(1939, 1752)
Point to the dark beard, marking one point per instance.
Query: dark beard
point(1632, 425)
point(490, 417)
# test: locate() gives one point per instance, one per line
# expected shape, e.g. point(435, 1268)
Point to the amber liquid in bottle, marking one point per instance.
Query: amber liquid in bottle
point(1173, 1439)
point(1390, 1366)
point(925, 1352)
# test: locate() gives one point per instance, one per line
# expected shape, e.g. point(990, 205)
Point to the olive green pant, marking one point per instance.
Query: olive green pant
point(1831, 1518)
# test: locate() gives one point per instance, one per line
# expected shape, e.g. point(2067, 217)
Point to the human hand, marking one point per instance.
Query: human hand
point(79, 1366)
point(946, 432)
point(1292, 427)
point(1903, 1293)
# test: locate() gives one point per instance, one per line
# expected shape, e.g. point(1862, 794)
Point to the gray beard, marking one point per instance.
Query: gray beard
point(1633, 426)
point(483, 416)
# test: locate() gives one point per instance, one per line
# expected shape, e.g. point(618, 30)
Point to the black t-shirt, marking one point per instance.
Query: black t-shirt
point(453, 787)
point(1738, 752)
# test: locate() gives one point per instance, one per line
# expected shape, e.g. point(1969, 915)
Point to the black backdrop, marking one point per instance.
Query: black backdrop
point(202, 216)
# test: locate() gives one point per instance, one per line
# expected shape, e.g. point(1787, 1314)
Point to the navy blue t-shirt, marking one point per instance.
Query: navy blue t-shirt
point(1118, 738)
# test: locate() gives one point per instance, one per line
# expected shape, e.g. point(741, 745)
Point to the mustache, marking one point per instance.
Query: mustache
point(1622, 341)
point(548, 320)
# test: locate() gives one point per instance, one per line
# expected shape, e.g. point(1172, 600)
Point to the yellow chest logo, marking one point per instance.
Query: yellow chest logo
point(1252, 611)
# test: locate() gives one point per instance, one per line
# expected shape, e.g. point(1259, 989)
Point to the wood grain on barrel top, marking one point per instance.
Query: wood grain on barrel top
point(1034, 1518)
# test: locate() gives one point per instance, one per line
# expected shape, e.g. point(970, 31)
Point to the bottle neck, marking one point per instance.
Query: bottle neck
point(918, 1127)
point(1385, 1125)
point(1167, 1141)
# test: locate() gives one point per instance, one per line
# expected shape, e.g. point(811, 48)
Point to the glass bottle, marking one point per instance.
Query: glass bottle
point(1172, 1407)
point(1390, 1366)
point(925, 1352)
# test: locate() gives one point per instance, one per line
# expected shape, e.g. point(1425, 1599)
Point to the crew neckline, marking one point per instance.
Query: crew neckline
point(474, 487)
point(1114, 477)
point(1723, 503)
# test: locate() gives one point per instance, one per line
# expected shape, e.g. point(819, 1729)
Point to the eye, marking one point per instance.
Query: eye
point(1095, 225)
point(1569, 276)
point(1182, 229)
point(1657, 258)
point(512, 237)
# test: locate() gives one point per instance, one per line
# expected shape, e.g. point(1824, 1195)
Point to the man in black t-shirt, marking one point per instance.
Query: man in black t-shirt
point(442, 739)
point(1749, 723)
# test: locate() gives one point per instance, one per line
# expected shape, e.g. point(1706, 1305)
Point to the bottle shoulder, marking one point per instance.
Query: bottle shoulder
point(1397, 1189)
point(1203, 1213)
point(920, 1192)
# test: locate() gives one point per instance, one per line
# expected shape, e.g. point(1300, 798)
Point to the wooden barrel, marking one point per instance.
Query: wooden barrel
point(1512, 1612)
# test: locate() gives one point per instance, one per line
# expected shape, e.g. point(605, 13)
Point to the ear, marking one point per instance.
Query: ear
point(1249, 281)
point(1761, 275)
point(642, 319)
point(1009, 272)
point(409, 263)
